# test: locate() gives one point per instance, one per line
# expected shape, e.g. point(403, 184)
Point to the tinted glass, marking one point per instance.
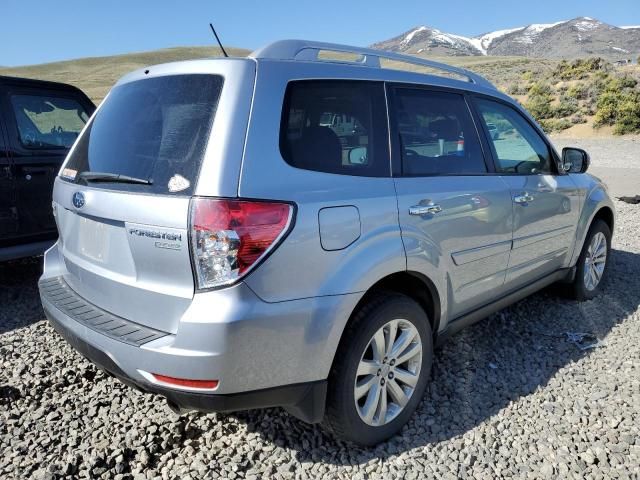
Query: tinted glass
point(437, 134)
point(336, 127)
point(46, 122)
point(518, 147)
point(154, 129)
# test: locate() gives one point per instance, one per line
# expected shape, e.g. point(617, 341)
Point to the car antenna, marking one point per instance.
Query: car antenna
point(218, 40)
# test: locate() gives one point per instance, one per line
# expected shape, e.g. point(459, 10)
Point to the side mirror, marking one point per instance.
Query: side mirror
point(575, 160)
point(358, 156)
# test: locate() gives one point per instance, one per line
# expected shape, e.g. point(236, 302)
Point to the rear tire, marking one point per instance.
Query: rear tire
point(593, 262)
point(385, 359)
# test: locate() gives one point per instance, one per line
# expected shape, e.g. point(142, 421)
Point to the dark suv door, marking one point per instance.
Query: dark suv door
point(8, 214)
point(42, 125)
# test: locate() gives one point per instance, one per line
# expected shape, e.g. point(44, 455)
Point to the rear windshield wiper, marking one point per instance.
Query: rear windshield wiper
point(112, 177)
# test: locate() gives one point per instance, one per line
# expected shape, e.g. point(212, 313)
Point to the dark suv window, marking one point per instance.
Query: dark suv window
point(437, 134)
point(46, 121)
point(336, 127)
point(155, 130)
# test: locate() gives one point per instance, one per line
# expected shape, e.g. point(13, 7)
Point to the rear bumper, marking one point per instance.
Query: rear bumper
point(262, 354)
point(304, 400)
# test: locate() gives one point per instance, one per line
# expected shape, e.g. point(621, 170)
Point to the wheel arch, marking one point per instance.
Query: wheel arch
point(416, 286)
point(606, 215)
point(598, 206)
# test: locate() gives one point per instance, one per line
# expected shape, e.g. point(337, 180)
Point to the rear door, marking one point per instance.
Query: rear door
point(8, 214)
point(42, 126)
point(546, 203)
point(455, 215)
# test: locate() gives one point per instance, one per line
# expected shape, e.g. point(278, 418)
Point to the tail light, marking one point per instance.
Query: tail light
point(229, 237)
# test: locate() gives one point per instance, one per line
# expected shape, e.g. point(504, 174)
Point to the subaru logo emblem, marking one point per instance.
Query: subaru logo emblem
point(78, 199)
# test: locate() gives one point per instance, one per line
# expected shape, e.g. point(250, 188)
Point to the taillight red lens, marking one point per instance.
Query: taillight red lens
point(230, 236)
point(185, 382)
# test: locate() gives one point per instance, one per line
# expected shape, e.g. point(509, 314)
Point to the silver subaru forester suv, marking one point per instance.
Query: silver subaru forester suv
point(299, 228)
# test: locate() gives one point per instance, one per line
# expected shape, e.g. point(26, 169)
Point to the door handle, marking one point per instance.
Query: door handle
point(524, 198)
point(429, 208)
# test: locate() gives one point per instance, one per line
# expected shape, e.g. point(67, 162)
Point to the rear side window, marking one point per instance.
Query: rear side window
point(437, 134)
point(155, 130)
point(518, 147)
point(336, 127)
point(46, 122)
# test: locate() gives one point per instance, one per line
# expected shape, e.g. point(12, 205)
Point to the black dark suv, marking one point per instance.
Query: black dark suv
point(39, 121)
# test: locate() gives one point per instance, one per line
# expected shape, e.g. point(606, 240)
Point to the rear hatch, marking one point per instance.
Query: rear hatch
point(122, 198)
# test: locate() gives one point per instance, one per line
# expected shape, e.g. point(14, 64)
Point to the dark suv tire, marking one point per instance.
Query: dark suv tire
point(380, 371)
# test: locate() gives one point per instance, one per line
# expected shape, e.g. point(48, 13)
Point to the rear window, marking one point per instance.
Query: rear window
point(336, 126)
point(154, 130)
point(437, 134)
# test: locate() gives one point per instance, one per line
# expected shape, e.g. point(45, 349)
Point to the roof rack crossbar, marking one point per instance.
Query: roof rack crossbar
point(308, 51)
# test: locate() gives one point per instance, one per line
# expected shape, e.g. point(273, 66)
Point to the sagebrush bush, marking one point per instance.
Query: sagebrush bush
point(579, 91)
point(580, 69)
point(619, 105)
point(551, 125)
point(567, 107)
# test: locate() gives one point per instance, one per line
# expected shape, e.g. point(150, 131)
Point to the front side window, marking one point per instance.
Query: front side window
point(437, 134)
point(154, 130)
point(46, 121)
point(335, 127)
point(518, 147)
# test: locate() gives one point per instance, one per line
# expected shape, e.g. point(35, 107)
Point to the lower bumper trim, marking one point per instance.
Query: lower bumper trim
point(305, 401)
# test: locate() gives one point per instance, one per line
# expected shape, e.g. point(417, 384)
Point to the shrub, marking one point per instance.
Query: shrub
point(581, 68)
point(555, 125)
point(568, 106)
point(540, 89)
point(578, 118)
point(620, 108)
point(539, 102)
point(579, 91)
point(628, 118)
point(517, 89)
point(528, 76)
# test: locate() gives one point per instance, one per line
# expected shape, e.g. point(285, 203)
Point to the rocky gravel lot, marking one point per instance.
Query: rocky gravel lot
point(513, 396)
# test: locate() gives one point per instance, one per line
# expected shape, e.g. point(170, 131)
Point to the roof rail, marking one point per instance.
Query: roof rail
point(308, 51)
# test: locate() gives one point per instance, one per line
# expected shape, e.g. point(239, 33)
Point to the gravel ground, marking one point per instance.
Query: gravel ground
point(616, 152)
point(616, 160)
point(512, 396)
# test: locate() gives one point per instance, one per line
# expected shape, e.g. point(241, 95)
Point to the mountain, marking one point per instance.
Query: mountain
point(580, 37)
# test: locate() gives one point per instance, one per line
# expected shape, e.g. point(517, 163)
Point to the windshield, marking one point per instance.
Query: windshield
point(154, 130)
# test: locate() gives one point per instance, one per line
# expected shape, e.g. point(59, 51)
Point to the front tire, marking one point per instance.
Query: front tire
point(380, 371)
point(592, 263)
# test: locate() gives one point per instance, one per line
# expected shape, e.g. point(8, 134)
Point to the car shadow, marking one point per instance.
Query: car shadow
point(19, 299)
point(484, 368)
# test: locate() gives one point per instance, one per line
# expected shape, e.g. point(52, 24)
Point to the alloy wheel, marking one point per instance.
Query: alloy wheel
point(388, 372)
point(595, 261)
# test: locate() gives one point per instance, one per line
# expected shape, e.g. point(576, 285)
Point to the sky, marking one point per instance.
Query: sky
point(39, 31)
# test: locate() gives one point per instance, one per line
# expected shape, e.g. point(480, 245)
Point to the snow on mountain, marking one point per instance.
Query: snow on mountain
point(582, 36)
point(530, 33)
point(483, 42)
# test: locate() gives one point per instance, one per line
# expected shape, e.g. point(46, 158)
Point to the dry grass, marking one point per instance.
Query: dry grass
point(96, 75)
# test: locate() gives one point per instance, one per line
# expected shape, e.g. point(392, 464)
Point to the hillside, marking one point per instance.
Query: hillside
point(579, 37)
point(96, 75)
point(570, 97)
